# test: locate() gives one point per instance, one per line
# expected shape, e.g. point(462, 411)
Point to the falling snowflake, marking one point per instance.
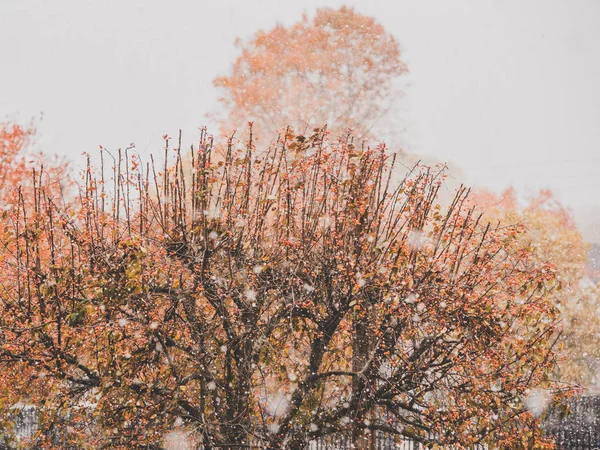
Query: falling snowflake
point(416, 240)
point(308, 288)
point(537, 401)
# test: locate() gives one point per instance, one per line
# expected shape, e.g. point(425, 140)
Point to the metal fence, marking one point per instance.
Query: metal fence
point(25, 422)
point(26, 425)
point(577, 439)
point(380, 441)
point(580, 430)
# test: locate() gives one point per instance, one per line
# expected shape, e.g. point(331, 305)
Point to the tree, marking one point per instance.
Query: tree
point(337, 68)
point(18, 161)
point(22, 172)
point(223, 304)
point(13, 139)
point(553, 236)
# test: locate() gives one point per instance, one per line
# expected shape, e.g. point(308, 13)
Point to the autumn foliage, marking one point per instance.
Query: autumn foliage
point(338, 67)
point(270, 296)
point(553, 236)
point(13, 139)
point(21, 167)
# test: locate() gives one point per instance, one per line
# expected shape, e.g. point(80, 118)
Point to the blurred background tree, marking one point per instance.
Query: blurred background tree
point(20, 162)
point(553, 236)
point(13, 139)
point(338, 68)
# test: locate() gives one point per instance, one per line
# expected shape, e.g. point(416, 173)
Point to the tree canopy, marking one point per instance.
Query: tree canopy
point(20, 166)
point(553, 236)
point(338, 67)
point(226, 303)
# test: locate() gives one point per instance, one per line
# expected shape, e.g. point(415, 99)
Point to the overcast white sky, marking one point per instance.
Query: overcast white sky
point(508, 90)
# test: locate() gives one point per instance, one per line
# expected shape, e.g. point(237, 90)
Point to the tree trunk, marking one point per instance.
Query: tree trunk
point(361, 345)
